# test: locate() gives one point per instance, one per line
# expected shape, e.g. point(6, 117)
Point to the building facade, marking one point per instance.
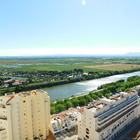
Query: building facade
point(25, 116)
point(106, 118)
point(66, 122)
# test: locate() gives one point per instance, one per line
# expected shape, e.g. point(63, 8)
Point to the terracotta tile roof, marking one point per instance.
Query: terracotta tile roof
point(64, 114)
point(6, 81)
point(81, 109)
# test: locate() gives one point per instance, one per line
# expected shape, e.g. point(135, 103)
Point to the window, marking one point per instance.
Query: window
point(87, 130)
point(108, 131)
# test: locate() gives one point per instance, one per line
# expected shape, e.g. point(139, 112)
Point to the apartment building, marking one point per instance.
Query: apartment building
point(66, 121)
point(25, 116)
point(104, 119)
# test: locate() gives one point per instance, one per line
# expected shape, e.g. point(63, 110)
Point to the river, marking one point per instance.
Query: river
point(67, 90)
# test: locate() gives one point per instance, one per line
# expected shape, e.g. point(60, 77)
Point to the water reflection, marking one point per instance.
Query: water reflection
point(64, 91)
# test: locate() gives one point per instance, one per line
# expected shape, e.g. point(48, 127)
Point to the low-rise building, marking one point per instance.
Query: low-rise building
point(17, 82)
point(104, 119)
point(66, 120)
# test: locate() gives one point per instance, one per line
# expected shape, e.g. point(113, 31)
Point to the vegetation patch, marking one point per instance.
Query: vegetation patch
point(104, 90)
point(115, 67)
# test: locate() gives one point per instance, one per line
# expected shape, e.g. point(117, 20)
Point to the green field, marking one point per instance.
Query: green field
point(115, 67)
point(61, 64)
point(57, 68)
point(47, 72)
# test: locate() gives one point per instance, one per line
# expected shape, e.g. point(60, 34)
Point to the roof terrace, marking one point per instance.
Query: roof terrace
point(99, 104)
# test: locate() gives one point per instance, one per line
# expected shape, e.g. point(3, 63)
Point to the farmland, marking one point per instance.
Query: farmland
point(115, 67)
point(47, 72)
point(68, 63)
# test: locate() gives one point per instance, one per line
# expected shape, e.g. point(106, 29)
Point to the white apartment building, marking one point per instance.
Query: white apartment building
point(66, 120)
point(25, 116)
point(106, 118)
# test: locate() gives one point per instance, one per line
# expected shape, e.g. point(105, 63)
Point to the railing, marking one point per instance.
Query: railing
point(111, 122)
point(118, 107)
point(115, 114)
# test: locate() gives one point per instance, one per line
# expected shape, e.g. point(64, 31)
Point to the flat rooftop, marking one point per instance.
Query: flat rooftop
point(99, 104)
point(71, 112)
point(5, 99)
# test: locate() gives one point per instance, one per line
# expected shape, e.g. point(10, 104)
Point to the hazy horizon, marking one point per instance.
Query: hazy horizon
point(68, 51)
point(129, 54)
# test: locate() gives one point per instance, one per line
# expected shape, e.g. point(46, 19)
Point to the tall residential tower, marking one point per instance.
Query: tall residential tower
point(25, 116)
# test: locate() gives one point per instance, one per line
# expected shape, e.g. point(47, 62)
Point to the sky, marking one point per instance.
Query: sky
point(48, 27)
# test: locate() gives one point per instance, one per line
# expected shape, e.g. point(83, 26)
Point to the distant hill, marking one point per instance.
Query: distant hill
point(130, 54)
point(133, 54)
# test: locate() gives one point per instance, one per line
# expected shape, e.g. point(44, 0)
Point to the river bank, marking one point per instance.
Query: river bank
point(105, 90)
point(77, 88)
point(63, 92)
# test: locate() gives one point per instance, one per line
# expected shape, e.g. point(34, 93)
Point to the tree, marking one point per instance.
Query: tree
point(94, 96)
point(60, 107)
point(52, 109)
point(128, 89)
point(112, 88)
point(88, 98)
point(1, 82)
point(99, 94)
point(10, 83)
point(60, 101)
point(107, 95)
point(68, 104)
point(105, 90)
point(30, 80)
point(82, 102)
point(75, 102)
point(67, 99)
point(18, 88)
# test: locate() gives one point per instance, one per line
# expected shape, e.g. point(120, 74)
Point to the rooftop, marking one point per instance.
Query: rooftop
point(71, 112)
point(99, 104)
point(7, 98)
point(138, 87)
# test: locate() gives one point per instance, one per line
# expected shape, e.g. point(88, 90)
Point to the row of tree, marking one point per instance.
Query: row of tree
point(91, 75)
point(103, 91)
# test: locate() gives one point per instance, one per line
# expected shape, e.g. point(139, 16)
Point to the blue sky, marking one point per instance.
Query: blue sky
point(33, 27)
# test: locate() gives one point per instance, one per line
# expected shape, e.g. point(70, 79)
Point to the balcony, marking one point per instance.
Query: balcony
point(117, 108)
point(111, 122)
point(2, 129)
point(116, 114)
